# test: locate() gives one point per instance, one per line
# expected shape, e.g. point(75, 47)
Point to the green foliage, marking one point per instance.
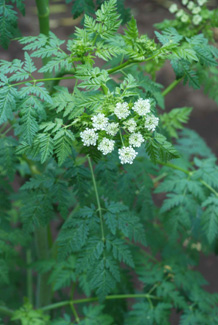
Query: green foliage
point(84, 229)
point(173, 120)
point(27, 315)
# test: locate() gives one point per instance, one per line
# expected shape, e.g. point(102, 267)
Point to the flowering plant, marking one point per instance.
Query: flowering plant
point(112, 188)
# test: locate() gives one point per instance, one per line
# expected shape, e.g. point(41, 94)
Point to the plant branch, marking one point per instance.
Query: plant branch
point(189, 173)
point(174, 167)
point(43, 79)
point(6, 311)
point(97, 197)
point(111, 297)
point(171, 87)
point(75, 313)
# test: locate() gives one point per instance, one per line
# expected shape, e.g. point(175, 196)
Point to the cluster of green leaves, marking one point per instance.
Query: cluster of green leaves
point(105, 226)
point(89, 7)
point(8, 20)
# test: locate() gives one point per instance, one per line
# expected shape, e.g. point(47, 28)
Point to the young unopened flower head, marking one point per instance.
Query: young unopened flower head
point(196, 19)
point(142, 106)
point(99, 121)
point(106, 146)
point(180, 13)
point(89, 137)
point(122, 110)
point(184, 18)
point(190, 5)
point(136, 139)
point(173, 8)
point(127, 155)
point(130, 125)
point(151, 122)
point(112, 128)
point(201, 2)
point(196, 10)
point(184, 2)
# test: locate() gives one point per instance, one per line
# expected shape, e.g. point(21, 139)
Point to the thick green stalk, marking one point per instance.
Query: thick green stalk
point(97, 198)
point(29, 276)
point(43, 292)
point(43, 16)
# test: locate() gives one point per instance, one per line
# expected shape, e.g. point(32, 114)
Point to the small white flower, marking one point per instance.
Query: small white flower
point(127, 155)
point(89, 137)
point(130, 125)
point(173, 8)
point(184, 2)
point(99, 121)
point(122, 110)
point(184, 18)
point(136, 139)
point(112, 128)
point(197, 19)
point(180, 13)
point(201, 2)
point(196, 10)
point(190, 5)
point(151, 122)
point(106, 146)
point(142, 106)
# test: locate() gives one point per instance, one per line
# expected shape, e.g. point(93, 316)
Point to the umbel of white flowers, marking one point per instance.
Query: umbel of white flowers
point(131, 121)
point(194, 8)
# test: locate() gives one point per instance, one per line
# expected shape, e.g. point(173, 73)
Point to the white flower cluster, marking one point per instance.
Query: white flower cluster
point(106, 146)
point(99, 122)
point(122, 110)
point(127, 155)
point(142, 106)
point(151, 122)
point(191, 6)
point(89, 137)
point(136, 139)
point(112, 128)
point(130, 125)
point(131, 122)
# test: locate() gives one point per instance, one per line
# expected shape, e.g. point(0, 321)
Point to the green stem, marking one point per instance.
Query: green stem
point(174, 167)
point(75, 313)
point(43, 292)
point(6, 311)
point(43, 18)
point(171, 87)
point(189, 173)
point(29, 276)
point(43, 79)
point(97, 197)
point(121, 138)
point(121, 66)
point(111, 297)
point(59, 76)
point(209, 187)
point(8, 130)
